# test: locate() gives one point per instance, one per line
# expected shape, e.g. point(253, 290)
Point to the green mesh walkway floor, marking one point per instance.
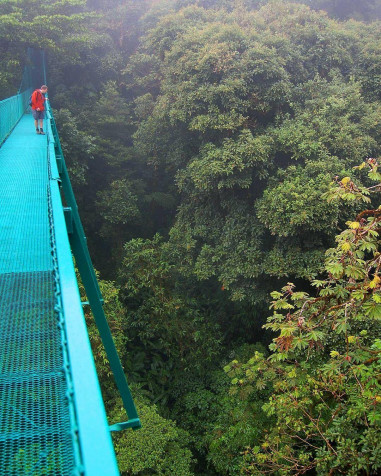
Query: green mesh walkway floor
point(35, 420)
point(52, 417)
point(25, 235)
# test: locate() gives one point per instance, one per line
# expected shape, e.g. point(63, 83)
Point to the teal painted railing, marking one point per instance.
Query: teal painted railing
point(80, 251)
point(11, 111)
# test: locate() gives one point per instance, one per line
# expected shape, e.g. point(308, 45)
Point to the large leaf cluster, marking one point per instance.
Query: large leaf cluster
point(325, 361)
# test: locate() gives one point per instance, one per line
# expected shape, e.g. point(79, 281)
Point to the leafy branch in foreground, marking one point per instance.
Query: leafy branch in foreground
point(324, 369)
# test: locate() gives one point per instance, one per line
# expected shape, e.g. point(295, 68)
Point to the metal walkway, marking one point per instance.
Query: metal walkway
point(52, 418)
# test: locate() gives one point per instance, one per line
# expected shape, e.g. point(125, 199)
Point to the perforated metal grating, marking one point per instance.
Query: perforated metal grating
point(34, 419)
point(37, 422)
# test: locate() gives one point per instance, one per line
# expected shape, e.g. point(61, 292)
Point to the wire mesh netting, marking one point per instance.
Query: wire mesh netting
point(37, 421)
point(11, 109)
point(33, 74)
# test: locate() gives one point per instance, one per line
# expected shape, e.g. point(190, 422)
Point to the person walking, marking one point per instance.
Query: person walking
point(38, 107)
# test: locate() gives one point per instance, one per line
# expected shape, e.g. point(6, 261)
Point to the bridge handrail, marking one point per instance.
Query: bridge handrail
point(84, 397)
point(78, 244)
point(11, 111)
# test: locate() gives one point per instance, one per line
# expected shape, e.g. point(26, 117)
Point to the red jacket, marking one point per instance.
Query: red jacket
point(38, 100)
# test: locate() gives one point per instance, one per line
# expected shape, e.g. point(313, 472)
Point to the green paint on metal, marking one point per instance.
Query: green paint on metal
point(124, 425)
point(86, 269)
point(35, 413)
point(52, 418)
point(11, 111)
point(85, 266)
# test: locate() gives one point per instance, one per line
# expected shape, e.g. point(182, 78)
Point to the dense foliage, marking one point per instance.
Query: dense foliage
point(324, 370)
point(214, 147)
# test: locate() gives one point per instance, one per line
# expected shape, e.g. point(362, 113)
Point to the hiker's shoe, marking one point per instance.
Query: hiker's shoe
point(37, 131)
point(42, 132)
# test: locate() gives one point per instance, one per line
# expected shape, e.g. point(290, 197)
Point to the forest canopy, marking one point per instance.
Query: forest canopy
point(226, 161)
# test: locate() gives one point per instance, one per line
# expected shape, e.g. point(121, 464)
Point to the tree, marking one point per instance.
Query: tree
point(324, 367)
point(230, 113)
point(159, 447)
point(173, 337)
point(38, 25)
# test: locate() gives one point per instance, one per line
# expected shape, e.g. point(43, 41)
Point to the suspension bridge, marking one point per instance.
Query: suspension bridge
point(52, 417)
